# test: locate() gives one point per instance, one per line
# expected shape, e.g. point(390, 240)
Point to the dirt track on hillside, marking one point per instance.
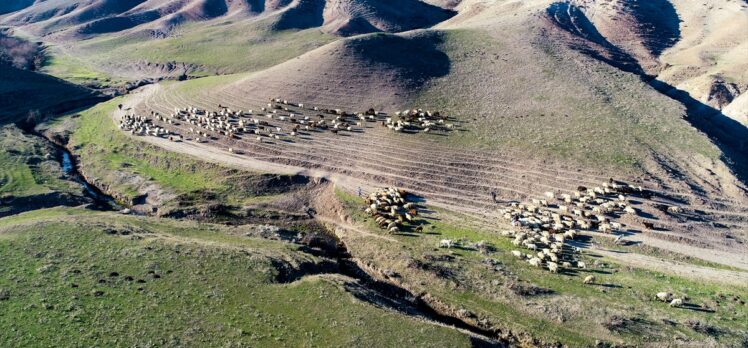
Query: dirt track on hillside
point(460, 184)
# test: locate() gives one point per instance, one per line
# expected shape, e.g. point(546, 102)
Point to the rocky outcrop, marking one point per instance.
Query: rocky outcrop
point(722, 93)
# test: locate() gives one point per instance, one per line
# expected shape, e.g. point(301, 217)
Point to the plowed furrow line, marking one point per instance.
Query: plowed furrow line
point(428, 163)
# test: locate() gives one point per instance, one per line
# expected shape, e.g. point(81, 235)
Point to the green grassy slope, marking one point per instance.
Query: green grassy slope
point(30, 173)
point(65, 281)
point(620, 308)
point(63, 65)
point(110, 158)
point(227, 47)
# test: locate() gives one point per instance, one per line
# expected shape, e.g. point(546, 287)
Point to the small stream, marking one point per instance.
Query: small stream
point(101, 200)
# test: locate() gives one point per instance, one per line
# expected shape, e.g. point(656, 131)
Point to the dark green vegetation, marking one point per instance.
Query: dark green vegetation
point(499, 290)
point(69, 277)
point(31, 176)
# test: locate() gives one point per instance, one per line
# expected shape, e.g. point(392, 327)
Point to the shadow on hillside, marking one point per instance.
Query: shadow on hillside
point(729, 135)
point(663, 31)
point(660, 23)
point(24, 93)
point(572, 19)
point(415, 59)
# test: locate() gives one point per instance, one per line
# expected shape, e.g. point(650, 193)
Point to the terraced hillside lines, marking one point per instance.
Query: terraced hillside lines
point(451, 179)
point(406, 155)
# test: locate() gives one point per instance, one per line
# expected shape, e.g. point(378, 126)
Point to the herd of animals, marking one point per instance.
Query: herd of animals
point(547, 224)
point(391, 209)
point(279, 120)
point(542, 227)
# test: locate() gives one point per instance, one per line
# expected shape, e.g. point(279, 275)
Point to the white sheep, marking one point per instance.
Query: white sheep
point(517, 253)
point(553, 267)
point(570, 234)
point(581, 265)
point(446, 243)
point(676, 302)
point(589, 280)
point(664, 296)
point(535, 262)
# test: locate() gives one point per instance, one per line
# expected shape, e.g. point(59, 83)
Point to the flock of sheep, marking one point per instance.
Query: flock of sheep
point(139, 125)
point(669, 298)
point(548, 223)
point(278, 120)
point(543, 227)
point(416, 120)
point(391, 209)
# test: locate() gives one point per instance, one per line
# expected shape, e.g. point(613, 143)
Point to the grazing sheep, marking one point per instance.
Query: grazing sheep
point(535, 262)
point(664, 296)
point(605, 228)
point(553, 267)
point(589, 280)
point(676, 302)
point(517, 253)
point(570, 234)
point(550, 195)
point(446, 243)
point(581, 265)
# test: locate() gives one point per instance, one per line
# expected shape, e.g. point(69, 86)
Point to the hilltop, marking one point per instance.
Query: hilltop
point(361, 172)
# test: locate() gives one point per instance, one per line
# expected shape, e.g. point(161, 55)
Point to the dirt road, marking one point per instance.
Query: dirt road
point(260, 162)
